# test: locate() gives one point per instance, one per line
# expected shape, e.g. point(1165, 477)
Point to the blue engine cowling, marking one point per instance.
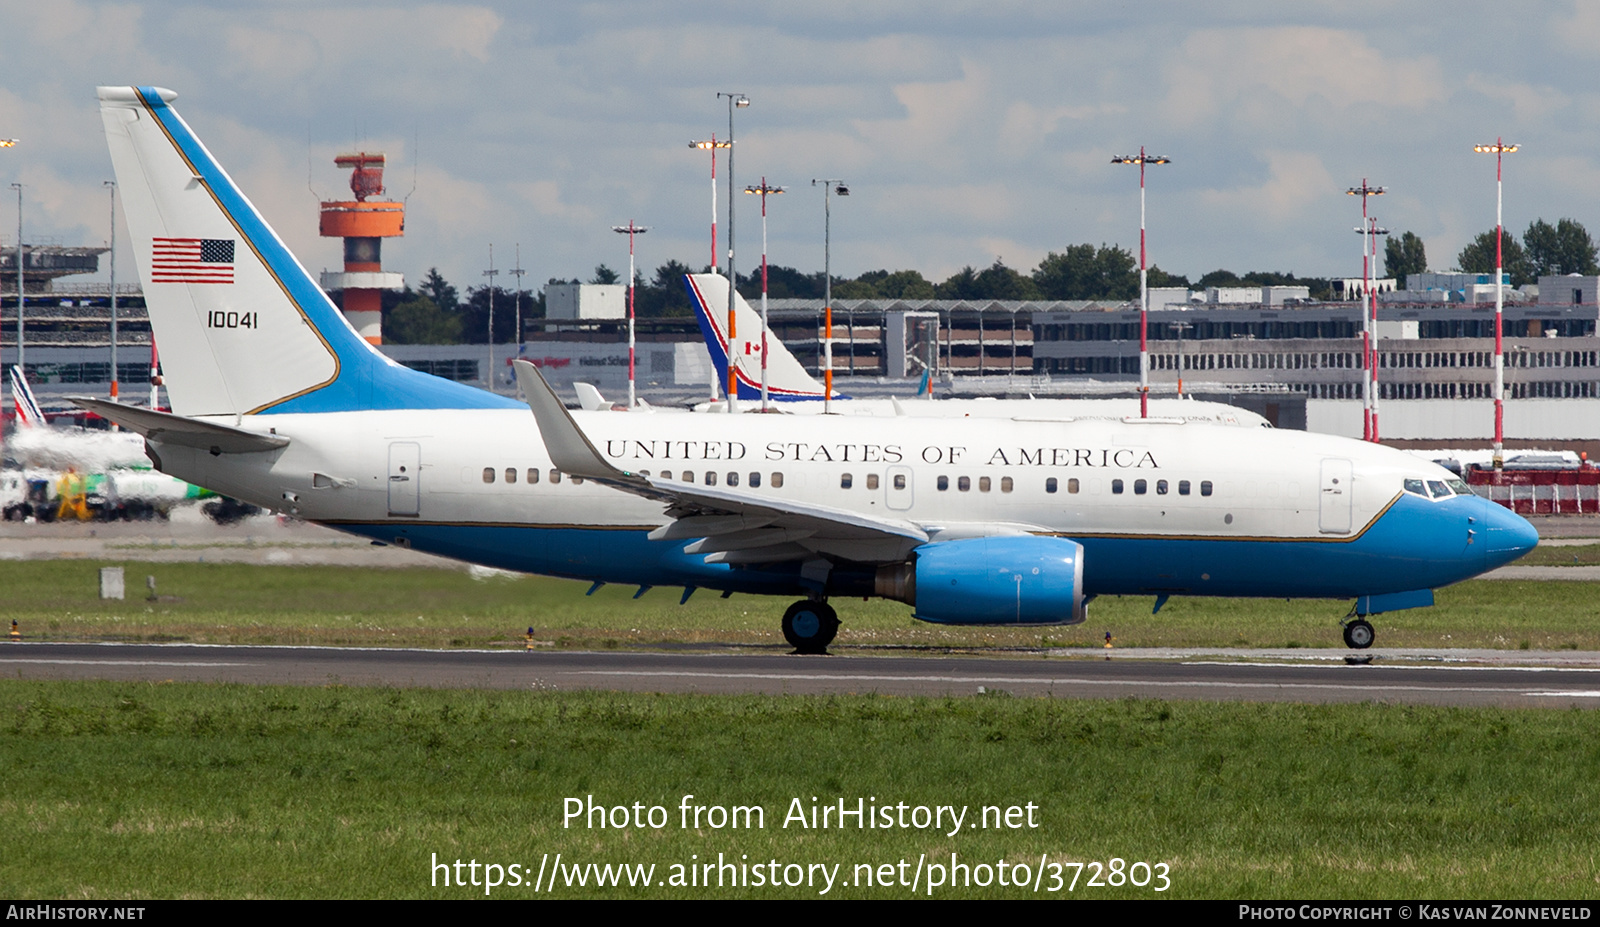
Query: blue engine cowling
point(1005, 580)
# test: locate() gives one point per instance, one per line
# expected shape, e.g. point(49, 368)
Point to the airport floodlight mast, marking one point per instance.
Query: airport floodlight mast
point(1499, 149)
point(1369, 334)
point(828, 187)
point(12, 143)
point(491, 273)
point(112, 186)
point(764, 190)
point(631, 230)
point(1144, 284)
point(1370, 322)
point(735, 101)
point(712, 145)
point(518, 272)
point(1180, 328)
point(22, 341)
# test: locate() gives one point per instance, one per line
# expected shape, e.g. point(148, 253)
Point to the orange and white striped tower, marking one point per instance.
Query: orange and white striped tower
point(363, 224)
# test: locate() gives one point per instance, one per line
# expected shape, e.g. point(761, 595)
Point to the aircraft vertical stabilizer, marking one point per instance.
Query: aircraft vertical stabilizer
point(787, 379)
point(29, 415)
point(243, 327)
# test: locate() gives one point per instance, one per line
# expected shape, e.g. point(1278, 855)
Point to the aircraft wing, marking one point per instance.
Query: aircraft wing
point(166, 428)
point(729, 525)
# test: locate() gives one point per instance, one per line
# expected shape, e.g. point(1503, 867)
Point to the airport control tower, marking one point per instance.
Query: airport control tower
point(363, 224)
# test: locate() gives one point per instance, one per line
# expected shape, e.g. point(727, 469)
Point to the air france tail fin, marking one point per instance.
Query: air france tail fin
point(243, 327)
point(787, 379)
point(29, 415)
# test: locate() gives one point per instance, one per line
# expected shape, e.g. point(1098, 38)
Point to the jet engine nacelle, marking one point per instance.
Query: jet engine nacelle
point(1005, 580)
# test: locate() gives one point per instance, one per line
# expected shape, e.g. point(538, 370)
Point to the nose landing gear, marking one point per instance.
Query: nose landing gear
point(809, 626)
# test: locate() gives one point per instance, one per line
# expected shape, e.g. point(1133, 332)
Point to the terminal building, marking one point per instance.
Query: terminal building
point(1295, 360)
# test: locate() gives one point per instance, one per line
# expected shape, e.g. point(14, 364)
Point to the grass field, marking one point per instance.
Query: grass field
point(1574, 555)
point(235, 603)
point(116, 790)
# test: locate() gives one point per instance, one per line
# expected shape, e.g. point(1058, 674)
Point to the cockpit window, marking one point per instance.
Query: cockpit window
point(1416, 487)
point(1439, 489)
point(1460, 486)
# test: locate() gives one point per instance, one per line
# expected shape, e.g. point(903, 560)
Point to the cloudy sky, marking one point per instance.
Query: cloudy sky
point(968, 131)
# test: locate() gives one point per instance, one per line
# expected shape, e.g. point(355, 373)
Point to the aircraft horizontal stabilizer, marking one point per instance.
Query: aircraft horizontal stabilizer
point(166, 428)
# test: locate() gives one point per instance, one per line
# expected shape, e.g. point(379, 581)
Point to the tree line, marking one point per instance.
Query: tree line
point(436, 313)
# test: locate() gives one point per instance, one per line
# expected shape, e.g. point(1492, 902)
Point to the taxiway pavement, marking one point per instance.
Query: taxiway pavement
point(1246, 676)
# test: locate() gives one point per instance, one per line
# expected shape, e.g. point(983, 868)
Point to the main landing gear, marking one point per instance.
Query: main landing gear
point(810, 626)
point(1358, 634)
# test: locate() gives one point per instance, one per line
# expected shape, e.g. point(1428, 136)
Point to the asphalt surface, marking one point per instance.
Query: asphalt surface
point(1258, 678)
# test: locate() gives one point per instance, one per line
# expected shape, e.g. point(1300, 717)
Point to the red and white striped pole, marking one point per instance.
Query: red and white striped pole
point(764, 189)
point(712, 146)
point(1144, 283)
point(1499, 149)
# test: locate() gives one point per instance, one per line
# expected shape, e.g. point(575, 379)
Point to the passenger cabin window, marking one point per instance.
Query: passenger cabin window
point(943, 483)
point(777, 481)
point(1161, 487)
point(733, 479)
point(755, 479)
point(511, 474)
point(1183, 487)
point(711, 478)
point(845, 480)
point(688, 476)
point(1116, 487)
point(577, 481)
point(1139, 487)
point(872, 481)
point(1072, 485)
point(488, 474)
point(533, 474)
point(983, 484)
point(555, 475)
point(964, 483)
point(1050, 484)
point(1205, 487)
point(1005, 484)
point(899, 481)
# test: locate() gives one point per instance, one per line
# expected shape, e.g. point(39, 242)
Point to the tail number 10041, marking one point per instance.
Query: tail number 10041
point(221, 319)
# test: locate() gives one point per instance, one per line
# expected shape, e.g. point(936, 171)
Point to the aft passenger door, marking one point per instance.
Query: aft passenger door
point(1336, 498)
point(405, 485)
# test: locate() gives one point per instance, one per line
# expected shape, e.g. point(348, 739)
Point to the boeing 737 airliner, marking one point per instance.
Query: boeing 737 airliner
point(277, 401)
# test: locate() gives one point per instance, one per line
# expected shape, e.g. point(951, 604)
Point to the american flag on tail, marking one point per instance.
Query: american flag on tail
point(191, 260)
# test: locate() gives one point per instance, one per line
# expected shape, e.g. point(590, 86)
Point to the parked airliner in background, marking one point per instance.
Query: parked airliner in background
point(795, 390)
point(278, 401)
point(89, 473)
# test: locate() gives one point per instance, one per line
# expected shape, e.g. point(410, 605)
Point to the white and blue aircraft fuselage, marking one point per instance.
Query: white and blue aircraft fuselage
point(277, 401)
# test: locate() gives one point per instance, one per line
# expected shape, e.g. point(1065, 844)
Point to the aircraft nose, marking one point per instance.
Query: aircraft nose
point(1510, 535)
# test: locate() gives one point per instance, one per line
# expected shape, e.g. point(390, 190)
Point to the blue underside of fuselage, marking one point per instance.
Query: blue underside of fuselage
point(1416, 544)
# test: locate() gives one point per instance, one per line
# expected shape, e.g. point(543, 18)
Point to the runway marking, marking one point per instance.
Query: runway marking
point(1575, 693)
point(1404, 666)
point(117, 662)
point(1023, 680)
